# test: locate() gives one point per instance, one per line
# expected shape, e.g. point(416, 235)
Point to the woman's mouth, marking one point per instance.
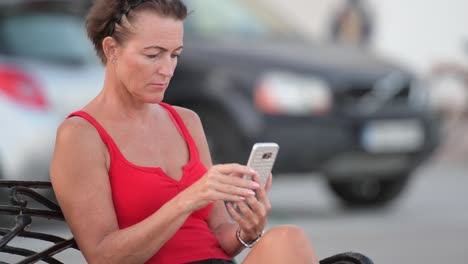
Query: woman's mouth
point(159, 85)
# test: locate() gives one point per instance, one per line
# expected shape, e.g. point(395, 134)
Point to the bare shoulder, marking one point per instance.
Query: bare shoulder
point(190, 118)
point(75, 128)
point(79, 134)
point(77, 141)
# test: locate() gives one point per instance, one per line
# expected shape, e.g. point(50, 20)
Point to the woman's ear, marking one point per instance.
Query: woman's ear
point(110, 48)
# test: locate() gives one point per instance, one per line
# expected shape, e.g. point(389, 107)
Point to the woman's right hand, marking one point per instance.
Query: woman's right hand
point(221, 182)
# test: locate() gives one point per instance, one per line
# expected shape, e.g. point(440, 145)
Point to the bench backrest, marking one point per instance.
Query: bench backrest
point(29, 200)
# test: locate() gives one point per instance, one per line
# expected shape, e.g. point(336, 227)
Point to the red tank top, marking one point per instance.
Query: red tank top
point(139, 191)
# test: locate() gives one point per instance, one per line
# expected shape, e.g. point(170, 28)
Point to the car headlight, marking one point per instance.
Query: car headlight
point(293, 94)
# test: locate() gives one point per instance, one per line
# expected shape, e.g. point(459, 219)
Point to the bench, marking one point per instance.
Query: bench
point(29, 200)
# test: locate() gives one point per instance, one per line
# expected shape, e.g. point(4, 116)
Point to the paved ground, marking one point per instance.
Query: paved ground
point(429, 224)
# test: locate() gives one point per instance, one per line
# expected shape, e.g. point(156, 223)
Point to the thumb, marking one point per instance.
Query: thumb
point(269, 183)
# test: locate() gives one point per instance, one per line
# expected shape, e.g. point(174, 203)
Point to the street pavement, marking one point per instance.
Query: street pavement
point(427, 224)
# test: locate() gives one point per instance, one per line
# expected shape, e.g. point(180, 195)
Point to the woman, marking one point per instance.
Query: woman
point(130, 172)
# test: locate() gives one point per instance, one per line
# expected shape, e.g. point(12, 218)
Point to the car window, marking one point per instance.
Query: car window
point(45, 36)
point(236, 17)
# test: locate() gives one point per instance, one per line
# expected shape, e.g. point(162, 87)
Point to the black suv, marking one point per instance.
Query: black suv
point(359, 120)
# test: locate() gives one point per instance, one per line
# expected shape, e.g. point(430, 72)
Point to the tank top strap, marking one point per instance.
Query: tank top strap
point(179, 123)
point(106, 138)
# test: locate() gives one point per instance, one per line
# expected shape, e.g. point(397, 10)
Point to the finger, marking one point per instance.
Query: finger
point(235, 215)
point(247, 213)
point(262, 197)
point(217, 190)
point(269, 183)
point(255, 207)
point(260, 192)
point(234, 190)
point(229, 198)
point(236, 174)
point(239, 182)
point(253, 222)
point(220, 182)
point(234, 168)
point(232, 185)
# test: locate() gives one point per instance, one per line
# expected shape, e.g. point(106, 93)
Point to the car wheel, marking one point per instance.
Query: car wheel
point(224, 138)
point(368, 192)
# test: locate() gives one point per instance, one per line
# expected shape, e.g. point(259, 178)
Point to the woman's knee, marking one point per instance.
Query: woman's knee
point(285, 233)
point(283, 244)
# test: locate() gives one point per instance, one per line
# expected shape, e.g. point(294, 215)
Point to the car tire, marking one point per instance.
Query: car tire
point(224, 138)
point(368, 192)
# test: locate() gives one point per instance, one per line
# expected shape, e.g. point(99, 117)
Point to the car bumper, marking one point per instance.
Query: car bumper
point(335, 145)
point(26, 145)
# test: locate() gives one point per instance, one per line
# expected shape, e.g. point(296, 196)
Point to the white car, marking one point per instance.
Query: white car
point(47, 70)
point(27, 124)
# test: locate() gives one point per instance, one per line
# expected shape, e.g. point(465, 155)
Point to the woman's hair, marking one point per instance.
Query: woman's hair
point(107, 17)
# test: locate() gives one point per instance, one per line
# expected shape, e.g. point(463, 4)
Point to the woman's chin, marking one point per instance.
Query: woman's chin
point(155, 99)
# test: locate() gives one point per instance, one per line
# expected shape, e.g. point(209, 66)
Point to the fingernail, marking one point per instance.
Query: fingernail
point(250, 192)
point(241, 198)
point(255, 185)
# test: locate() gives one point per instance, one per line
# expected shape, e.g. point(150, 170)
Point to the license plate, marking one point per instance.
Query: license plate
point(386, 136)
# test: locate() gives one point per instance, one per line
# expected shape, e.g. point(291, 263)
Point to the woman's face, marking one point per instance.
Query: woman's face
point(147, 60)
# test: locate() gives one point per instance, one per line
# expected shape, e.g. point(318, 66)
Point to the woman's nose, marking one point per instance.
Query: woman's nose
point(167, 67)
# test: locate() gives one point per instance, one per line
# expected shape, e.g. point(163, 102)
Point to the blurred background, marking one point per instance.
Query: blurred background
point(368, 100)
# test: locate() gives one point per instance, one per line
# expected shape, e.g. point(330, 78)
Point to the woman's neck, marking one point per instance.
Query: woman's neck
point(120, 104)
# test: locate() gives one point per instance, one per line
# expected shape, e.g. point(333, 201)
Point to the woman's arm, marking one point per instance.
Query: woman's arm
point(81, 183)
point(219, 221)
point(225, 230)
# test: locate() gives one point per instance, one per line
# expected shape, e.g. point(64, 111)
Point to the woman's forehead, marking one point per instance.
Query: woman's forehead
point(151, 22)
point(152, 27)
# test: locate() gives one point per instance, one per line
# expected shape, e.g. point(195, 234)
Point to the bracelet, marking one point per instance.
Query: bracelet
point(245, 244)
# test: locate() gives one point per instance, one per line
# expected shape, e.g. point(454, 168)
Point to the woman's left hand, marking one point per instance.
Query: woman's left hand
point(254, 211)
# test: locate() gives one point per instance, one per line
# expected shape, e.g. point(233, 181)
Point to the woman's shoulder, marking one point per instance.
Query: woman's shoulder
point(193, 123)
point(75, 125)
point(76, 130)
point(77, 147)
point(190, 117)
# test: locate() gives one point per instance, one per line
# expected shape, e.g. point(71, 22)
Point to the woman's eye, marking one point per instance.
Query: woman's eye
point(152, 56)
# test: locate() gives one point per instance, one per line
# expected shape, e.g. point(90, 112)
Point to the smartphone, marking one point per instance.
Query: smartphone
point(261, 159)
